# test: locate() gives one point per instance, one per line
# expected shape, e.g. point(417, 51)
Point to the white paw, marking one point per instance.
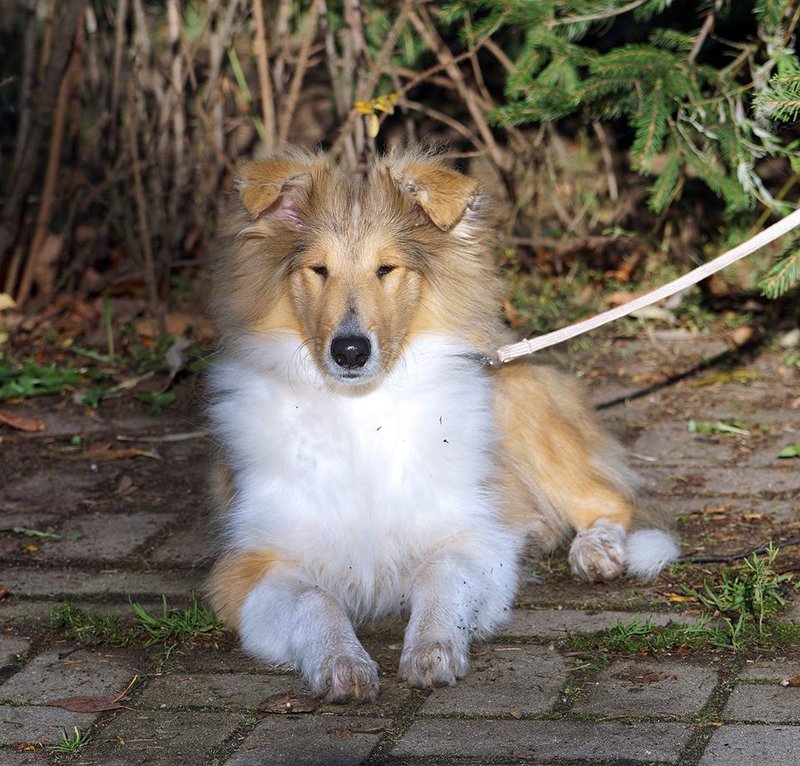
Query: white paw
point(346, 678)
point(433, 664)
point(598, 553)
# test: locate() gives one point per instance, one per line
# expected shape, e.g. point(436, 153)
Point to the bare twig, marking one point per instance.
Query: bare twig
point(608, 159)
point(120, 20)
point(445, 119)
point(264, 79)
point(47, 95)
point(299, 72)
point(427, 30)
point(26, 84)
point(141, 213)
point(731, 557)
point(51, 172)
point(705, 30)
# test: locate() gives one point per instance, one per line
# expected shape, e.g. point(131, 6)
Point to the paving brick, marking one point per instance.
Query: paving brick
point(768, 669)
point(37, 611)
point(559, 623)
point(72, 582)
point(38, 724)
point(229, 690)
point(104, 536)
point(745, 745)
point(310, 741)
point(771, 704)
point(485, 739)
point(168, 738)
point(503, 679)
point(49, 490)
point(38, 757)
point(648, 688)
point(10, 648)
point(82, 674)
point(12, 542)
point(189, 546)
point(689, 478)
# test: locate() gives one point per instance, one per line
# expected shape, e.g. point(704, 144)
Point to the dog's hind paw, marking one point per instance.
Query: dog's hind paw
point(433, 664)
point(598, 553)
point(345, 678)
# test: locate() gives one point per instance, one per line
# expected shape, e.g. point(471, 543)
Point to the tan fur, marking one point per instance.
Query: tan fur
point(233, 576)
point(442, 193)
point(552, 449)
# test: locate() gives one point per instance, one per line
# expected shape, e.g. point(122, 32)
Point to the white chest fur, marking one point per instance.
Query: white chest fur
point(357, 489)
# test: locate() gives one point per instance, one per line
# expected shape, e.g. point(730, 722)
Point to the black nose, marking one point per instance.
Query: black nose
point(350, 351)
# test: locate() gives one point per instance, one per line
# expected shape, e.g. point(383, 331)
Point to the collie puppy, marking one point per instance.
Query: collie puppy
point(370, 462)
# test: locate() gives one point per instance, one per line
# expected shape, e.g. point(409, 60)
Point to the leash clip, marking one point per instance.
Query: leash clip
point(488, 361)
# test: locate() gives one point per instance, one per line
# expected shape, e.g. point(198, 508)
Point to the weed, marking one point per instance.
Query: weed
point(167, 631)
point(739, 611)
point(87, 627)
point(158, 401)
point(176, 626)
point(750, 596)
point(34, 380)
point(70, 743)
point(728, 427)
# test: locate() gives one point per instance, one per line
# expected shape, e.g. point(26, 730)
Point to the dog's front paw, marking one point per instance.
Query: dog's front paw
point(598, 553)
point(433, 664)
point(346, 678)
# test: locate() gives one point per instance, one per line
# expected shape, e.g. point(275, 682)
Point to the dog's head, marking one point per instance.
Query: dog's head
point(356, 266)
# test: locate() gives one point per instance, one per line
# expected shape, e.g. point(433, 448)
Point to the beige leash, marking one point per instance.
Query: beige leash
point(532, 345)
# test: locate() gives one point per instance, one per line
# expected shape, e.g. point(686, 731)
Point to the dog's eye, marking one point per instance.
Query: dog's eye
point(321, 270)
point(384, 270)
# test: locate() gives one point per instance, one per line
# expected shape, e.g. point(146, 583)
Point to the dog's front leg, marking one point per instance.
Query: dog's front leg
point(288, 622)
point(454, 600)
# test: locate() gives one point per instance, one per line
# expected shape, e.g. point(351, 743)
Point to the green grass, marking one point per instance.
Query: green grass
point(29, 379)
point(173, 628)
point(741, 611)
point(69, 744)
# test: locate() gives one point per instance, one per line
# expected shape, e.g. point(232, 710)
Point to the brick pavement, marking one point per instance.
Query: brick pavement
point(529, 700)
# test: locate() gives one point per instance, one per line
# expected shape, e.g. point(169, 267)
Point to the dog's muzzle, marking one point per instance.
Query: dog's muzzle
point(351, 352)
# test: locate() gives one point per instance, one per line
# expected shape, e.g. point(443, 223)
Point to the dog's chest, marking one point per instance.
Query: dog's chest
point(408, 460)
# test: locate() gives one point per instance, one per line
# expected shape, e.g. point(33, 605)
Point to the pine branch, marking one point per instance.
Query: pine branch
point(785, 274)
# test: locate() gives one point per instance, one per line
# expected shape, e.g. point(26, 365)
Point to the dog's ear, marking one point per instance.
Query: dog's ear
point(443, 194)
point(273, 186)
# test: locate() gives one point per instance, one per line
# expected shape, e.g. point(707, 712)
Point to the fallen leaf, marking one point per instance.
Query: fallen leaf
point(621, 297)
point(654, 312)
point(47, 263)
point(790, 339)
point(287, 703)
point(791, 681)
point(790, 450)
point(342, 733)
point(680, 598)
point(20, 422)
point(105, 452)
point(3, 592)
point(85, 704)
point(752, 516)
point(23, 747)
point(742, 334)
point(6, 302)
point(125, 485)
point(731, 376)
point(515, 714)
point(176, 355)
